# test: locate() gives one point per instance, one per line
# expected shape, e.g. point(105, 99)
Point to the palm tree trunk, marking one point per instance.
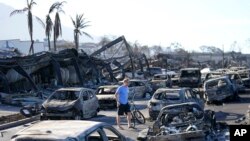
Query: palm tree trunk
point(31, 50)
point(77, 41)
point(49, 42)
point(54, 41)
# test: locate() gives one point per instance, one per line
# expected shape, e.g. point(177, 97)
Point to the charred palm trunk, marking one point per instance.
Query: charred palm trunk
point(54, 40)
point(76, 40)
point(49, 42)
point(30, 26)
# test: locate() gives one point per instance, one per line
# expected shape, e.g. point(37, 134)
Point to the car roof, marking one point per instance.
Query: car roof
point(73, 89)
point(169, 89)
point(161, 75)
point(194, 104)
point(190, 69)
point(109, 86)
point(60, 129)
point(217, 78)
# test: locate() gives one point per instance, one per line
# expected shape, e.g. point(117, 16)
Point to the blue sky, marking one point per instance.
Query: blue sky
point(159, 22)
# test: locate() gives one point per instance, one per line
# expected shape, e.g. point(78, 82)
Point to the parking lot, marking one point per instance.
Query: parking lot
point(225, 112)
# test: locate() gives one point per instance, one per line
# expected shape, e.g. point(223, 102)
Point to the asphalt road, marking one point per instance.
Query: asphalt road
point(227, 111)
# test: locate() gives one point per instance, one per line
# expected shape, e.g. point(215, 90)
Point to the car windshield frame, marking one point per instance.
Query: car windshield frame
point(70, 95)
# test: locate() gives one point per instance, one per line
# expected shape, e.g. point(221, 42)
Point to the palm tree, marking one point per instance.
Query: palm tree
point(48, 29)
point(79, 23)
point(57, 23)
point(30, 20)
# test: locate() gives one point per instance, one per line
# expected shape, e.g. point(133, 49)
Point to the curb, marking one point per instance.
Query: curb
point(19, 122)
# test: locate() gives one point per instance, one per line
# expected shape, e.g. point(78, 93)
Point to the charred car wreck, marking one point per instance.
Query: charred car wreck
point(74, 103)
point(218, 89)
point(179, 122)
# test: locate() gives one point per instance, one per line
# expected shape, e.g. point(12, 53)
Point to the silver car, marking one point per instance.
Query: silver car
point(68, 130)
point(74, 103)
point(168, 96)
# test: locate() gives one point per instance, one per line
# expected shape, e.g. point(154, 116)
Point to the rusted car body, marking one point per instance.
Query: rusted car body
point(245, 77)
point(167, 96)
point(180, 122)
point(106, 96)
point(175, 79)
point(74, 103)
point(67, 130)
point(190, 77)
point(161, 81)
point(218, 89)
point(139, 87)
point(236, 80)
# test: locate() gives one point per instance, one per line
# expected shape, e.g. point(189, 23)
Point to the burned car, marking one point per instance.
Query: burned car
point(67, 130)
point(106, 96)
point(180, 122)
point(161, 81)
point(218, 89)
point(236, 80)
point(74, 103)
point(190, 77)
point(141, 88)
point(175, 79)
point(245, 76)
point(167, 96)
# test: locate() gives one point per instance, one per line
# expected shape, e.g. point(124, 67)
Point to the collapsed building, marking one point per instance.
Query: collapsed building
point(67, 68)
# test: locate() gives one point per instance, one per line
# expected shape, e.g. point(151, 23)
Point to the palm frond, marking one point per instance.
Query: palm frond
point(74, 23)
point(53, 7)
point(57, 26)
point(49, 26)
point(40, 21)
point(18, 11)
point(87, 35)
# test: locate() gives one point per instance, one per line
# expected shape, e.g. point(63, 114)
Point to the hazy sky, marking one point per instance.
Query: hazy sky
point(159, 22)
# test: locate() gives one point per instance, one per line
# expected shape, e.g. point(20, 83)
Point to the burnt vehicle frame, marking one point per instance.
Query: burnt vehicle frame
point(190, 77)
point(161, 81)
point(69, 131)
point(168, 96)
point(73, 103)
point(245, 76)
point(106, 96)
point(186, 121)
point(219, 89)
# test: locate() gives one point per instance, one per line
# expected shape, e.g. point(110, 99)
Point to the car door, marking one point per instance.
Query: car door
point(93, 102)
point(196, 98)
point(189, 97)
point(225, 89)
point(86, 104)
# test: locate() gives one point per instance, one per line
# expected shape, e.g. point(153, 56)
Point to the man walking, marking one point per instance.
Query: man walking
point(123, 106)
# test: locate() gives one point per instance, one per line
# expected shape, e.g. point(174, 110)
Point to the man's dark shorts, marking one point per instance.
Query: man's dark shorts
point(123, 108)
